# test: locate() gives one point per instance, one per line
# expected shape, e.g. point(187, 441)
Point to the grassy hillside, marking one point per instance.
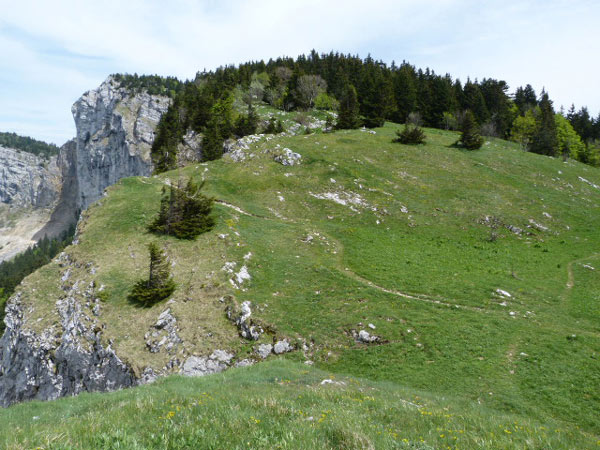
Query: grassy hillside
point(366, 231)
point(273, 405)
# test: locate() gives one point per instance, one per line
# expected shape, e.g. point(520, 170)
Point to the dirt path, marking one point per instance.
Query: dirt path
point(448, 303)
point(570, 276)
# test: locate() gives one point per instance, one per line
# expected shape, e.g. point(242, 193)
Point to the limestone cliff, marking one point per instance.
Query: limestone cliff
point(29, 189)
point(27, 180)
point(115, 131)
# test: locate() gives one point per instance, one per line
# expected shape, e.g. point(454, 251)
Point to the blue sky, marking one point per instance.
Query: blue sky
point(52, 52)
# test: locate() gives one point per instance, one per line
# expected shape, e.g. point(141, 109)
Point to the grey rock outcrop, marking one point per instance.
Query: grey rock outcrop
point(163, 334)
point(287, 157)
point(115, 132)
point(218, 361)
point(62, 360)
point(27, 180)
point(282, 347)
point(65, 212)
point(241, 317)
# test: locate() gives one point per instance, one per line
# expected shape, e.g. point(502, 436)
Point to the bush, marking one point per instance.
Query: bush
point(159, 284)
point(411, 134)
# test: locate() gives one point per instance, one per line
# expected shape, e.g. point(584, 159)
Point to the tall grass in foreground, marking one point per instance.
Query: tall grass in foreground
point(277, 404)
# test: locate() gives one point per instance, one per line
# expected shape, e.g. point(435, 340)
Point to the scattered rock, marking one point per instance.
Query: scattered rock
point(503, 293)
point(366, 338)
point(287, 157)
point(538, 226)
point(264, 350)
point(282, 347)
point(595, 186)
point(217, 362)
point(329, 381)
point(241, 317)
point(244, 363)
point(239, 278)
point(163, 334)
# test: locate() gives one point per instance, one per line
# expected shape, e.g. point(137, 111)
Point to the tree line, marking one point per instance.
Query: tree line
point(367, 92)
point(27, 144)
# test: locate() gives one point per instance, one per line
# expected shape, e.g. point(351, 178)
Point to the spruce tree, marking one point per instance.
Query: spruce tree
point(159, 284)
point(348, 114)
point(470, 138)
point(184, 212)
point(169, 134)
point(405, 92)
point(411, 134)
point(212, 141)
point(545, 140)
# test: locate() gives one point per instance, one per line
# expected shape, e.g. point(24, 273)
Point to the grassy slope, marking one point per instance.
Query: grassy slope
point(277, 404)
point(452, 337)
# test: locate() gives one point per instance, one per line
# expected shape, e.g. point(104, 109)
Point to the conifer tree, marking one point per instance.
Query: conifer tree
point(470, 138)
point(348, 114)
point(184, 212)
point(405, 93)
point(212, 141)
point(168, 136)
point(545, 140)
point(247, 124)
point(475, 102)
point(159, 284)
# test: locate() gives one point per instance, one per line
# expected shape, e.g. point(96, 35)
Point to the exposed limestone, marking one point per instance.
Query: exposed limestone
point(241, 317)
point(217, 362)
point(27, 180)
point(115, 131)
point(282, 347)
point(163, 334)
point(365, 337)
point(287, 157)
point(264, 350)
point(62, 360)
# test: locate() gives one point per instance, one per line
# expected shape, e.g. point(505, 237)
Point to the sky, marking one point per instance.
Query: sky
point(52, 52)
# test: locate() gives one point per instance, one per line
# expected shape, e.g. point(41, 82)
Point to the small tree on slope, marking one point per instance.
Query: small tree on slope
point(159, 284)
point(470, 138)
point(184, 212)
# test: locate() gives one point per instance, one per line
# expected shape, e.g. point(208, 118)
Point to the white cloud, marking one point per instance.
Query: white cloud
point(50, 53)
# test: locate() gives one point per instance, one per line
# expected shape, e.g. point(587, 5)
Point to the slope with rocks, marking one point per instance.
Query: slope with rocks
point(436, 268)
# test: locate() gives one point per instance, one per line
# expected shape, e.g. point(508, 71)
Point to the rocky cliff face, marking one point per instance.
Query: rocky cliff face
point(115, 131)
point(27, 180)
point(29, 189)
point(64, 359)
